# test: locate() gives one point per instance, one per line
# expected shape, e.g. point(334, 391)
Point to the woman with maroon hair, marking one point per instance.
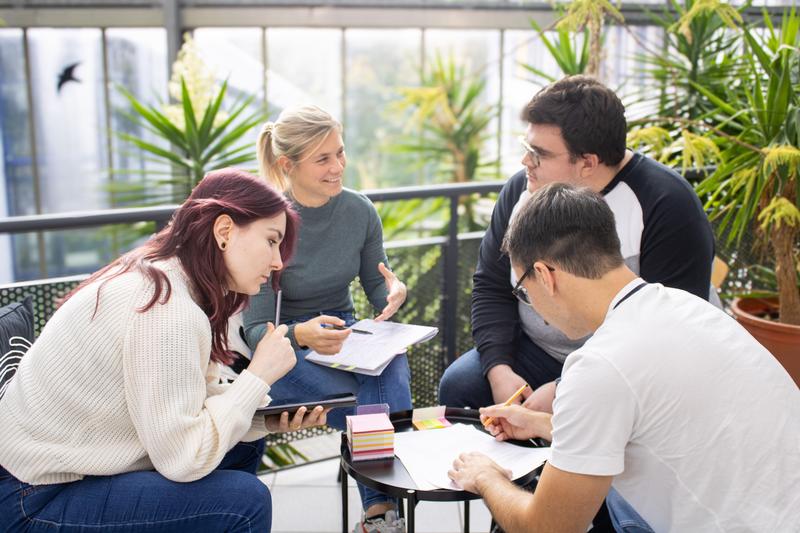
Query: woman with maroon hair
point(117, 417)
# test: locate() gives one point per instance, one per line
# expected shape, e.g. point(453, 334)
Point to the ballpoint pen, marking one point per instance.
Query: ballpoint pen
point(354, 330)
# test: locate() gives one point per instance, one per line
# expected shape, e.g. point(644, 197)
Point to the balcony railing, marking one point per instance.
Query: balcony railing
point(438, 270)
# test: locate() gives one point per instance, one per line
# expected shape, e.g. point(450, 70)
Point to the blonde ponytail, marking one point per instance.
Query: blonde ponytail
point(295, 134)
point(268, 160)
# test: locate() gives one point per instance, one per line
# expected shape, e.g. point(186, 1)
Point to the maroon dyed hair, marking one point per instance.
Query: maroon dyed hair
point(189, 237)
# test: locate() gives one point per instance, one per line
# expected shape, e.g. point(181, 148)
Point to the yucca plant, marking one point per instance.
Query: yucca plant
point(702, 44)
point(757, 180)
point(198, 134)
point(570, 51)
point(591, 16)
point(449, 126)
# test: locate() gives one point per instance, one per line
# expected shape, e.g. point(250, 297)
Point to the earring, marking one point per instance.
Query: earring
point(223, 245)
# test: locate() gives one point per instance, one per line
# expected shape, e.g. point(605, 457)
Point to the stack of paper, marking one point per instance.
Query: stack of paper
point(370, 436)
point(371, 353)
point(428, 455)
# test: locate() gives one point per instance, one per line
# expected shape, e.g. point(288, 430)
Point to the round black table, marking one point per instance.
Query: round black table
point(389, 476)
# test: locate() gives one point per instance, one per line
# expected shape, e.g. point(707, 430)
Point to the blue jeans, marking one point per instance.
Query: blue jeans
point(464, 385)
point(624, 518)
point(231, 498)
point(309, 380)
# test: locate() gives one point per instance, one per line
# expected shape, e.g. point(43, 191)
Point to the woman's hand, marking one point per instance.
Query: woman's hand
point(321, 339)
point(273, 357)
point(300, 420)
point(397, 293)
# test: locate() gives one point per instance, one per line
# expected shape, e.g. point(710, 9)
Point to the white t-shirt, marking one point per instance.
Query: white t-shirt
point(696, 421)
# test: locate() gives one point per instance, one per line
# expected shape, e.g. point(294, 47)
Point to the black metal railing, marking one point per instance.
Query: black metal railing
point(450, 272)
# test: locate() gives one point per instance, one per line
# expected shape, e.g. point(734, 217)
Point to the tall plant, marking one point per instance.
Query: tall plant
point(757, 180)
point(449, 126)
point(591, 15)
point(197, 134)
point(702, 45)
point(570, 51)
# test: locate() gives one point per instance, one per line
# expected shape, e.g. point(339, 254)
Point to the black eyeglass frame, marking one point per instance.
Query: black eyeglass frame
point(519, 291)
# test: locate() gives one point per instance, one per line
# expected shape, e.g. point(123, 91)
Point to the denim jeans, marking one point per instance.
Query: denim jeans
point(624, 518)
point(464, 385)
point(309, 380)
point(230, 498)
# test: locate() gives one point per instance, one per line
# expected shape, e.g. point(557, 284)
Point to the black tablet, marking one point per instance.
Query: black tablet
point(293, 404)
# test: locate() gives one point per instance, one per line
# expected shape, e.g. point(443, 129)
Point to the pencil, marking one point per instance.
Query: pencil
point(508, 402)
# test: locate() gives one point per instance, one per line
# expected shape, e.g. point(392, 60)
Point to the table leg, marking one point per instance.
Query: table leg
point(412, 503)
point(466, 516)
point(343, 481)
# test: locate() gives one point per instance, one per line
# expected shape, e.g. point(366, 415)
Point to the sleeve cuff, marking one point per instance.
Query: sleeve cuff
point(295, 345)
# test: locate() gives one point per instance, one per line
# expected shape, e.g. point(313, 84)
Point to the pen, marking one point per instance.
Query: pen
point(278, 307)
point(354, 330)
point(508, 402)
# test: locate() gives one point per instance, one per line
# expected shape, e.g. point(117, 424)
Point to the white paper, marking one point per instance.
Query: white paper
point(370, 354)
point(428, 455)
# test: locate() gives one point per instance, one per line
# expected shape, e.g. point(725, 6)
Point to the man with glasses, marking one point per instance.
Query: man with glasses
point(670, 404)
point(576, 134)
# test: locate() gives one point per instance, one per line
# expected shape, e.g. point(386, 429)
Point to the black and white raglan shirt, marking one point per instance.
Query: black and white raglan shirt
point(664, 234)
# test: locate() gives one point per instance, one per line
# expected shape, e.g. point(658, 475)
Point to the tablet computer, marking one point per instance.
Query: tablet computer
point(293, 404)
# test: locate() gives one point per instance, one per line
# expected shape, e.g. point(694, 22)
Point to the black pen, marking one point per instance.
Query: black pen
point(354, 330)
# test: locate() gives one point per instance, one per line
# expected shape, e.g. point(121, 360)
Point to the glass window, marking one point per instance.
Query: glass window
point(377, 64)
point(522, 47)
point(67, 82)
point(69, 110)
point(301, 74)
point(16, 170)
point(137, 61)
point(478, 51)
point(237, 54)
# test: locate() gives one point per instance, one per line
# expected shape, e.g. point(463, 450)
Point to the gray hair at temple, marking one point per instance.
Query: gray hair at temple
point(571, 228)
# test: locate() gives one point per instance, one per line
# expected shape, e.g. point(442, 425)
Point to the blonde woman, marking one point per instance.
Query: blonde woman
point(340, 237)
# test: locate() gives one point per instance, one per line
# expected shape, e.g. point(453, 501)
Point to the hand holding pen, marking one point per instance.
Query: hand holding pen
point(342, 328)
point(488, 421)
point(324, 334)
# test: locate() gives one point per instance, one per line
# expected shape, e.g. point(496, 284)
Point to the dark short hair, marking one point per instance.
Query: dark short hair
point(572, 228)
point(591, 117)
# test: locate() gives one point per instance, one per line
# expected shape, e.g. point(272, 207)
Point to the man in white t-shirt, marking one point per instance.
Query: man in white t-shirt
point(670, 401)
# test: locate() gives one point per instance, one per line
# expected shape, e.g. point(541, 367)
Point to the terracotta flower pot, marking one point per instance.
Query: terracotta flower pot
point(782, 340)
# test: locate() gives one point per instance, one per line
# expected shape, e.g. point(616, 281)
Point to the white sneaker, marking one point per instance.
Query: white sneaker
point(389, 523)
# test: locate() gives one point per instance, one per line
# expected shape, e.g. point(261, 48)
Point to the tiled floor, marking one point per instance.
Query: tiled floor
point(307, 499)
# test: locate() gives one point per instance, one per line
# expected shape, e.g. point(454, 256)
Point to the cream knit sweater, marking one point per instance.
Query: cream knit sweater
point(125, 391)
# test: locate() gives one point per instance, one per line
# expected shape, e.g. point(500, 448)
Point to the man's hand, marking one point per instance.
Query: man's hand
point(323, 340)
point(281, 423)
point(397, 293)
point(516, 422)
point(505, 382)
point(472, 470)
point(542, 398)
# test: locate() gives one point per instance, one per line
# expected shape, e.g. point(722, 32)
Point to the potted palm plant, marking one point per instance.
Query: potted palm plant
point(756, 184)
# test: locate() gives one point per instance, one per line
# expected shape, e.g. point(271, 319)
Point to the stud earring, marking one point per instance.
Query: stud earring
point(223, 245)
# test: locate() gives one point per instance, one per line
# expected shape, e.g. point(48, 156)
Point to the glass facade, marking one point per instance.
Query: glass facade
point(61, 108)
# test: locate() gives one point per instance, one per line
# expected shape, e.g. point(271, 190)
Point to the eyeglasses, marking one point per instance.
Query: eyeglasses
point(519, 291)
point(536, 157)
point(531, 151)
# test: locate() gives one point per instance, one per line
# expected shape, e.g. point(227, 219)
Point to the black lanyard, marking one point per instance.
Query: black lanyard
point(630, 293)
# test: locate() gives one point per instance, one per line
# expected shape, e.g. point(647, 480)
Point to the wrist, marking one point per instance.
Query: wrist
point(298, 334)
point(487, 478)
point(499, 373)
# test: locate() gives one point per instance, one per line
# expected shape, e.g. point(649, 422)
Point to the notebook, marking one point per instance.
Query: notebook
point(370, 354)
